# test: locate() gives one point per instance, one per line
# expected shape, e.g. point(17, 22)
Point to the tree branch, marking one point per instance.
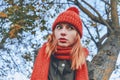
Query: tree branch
point(105, 2)
point(98, 19)
point(90, 34)
point(101, 40)
point(114, 14)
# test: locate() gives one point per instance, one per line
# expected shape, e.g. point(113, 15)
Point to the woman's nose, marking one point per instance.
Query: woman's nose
point(63, 32)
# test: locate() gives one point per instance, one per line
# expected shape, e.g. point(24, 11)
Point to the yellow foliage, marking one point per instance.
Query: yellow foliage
point(32, 7)
point(94, 24)
point(14, 30)
point(12, 33)
point(17, 27)
point(3, 15)
point(16, 7)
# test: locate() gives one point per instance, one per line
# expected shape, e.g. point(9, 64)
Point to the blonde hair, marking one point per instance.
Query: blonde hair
point(77, 53)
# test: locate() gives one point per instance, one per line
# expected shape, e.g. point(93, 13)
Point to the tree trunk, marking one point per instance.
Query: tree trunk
point(104, 62)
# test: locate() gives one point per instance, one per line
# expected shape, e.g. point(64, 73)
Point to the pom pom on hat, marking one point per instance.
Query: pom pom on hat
point(71, 16)
point(73, 9)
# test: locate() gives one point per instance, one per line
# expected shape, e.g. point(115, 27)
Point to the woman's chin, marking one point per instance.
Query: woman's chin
point(63, 45)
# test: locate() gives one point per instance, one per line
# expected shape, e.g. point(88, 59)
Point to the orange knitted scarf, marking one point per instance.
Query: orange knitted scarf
point(63, 53)
point(41, 66)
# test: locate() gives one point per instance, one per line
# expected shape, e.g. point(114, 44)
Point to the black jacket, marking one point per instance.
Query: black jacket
point(60, 70)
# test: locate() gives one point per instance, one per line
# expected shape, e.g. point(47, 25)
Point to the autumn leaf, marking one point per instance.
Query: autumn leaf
point(3, 15)
point(14, 30)
point(12, 33)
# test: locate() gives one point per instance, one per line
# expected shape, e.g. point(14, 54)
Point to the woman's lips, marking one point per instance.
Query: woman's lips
point(63, 40)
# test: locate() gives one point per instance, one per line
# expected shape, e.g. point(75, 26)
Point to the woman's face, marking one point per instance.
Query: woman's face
point(65, 34)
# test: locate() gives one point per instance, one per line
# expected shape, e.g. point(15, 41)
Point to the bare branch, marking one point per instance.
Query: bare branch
point(97, 32)
point(55, 3)
point(98, 19)
point(114, 14)
point(101, 40)
point(90, 34)
point(106, 2)
point(91, 8)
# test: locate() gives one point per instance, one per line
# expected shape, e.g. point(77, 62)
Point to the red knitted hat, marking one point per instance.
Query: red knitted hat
point(71, 16)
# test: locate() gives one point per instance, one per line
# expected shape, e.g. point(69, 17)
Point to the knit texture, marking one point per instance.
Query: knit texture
point(71, 16)
point(41, 67)
point(63, 53)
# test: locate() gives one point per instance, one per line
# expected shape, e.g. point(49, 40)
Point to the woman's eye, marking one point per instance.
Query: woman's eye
point(71, 27)
point(58, 27)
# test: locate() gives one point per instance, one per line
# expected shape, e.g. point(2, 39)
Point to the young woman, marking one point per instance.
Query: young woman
point(63, 56)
